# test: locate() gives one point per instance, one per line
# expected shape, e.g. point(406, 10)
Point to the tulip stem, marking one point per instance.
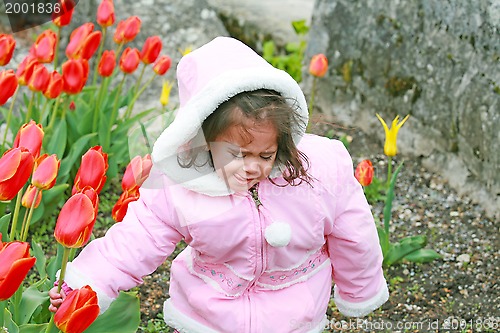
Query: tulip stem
point(97, 109)
point(139, 93)
point(64, 264)
point(9, 116)
point(389, 170)
point(3, 305)
point(114, 112)
point(30, 107)
point(311, 102)
point(16, 216)
point(99, 55)
point(42, 113)
point(24, 235)
point(54, 114)
point(56, 53)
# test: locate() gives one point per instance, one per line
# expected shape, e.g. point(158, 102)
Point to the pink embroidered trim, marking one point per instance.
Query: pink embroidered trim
point(277, 278)
point(224, 277)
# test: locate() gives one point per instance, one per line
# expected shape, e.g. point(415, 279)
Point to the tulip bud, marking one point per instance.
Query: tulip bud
point(83, 42)
point(74, 73)
point(107, 63)
point(25, 69)
point(165, 93)
point(151, 49)
point(78, 311)
point(30, 136)
point(129, 60)
point(63, 17)
point(121, 206)
point(55, 86)
point(162, 65)
point(318, 65)
point(8, 82)
point(92, 171)
point(16, 263)
point(45, 172)
point(364, 172)
point(7, 46)
point(127, 30)
point(106, 13)
point(391, 135)
point(77, 218)
point(45, 46)
point(136, 173)
point(29, 196)
point(16, 165)
point(39, 80)
point(72, 106)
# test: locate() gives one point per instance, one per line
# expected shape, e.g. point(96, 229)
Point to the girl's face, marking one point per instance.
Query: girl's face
point(241, 161)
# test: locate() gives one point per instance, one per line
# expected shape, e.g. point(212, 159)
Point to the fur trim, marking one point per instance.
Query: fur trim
point(361, 309)
point(181, 322)
point(184, 129)
point(76, 280)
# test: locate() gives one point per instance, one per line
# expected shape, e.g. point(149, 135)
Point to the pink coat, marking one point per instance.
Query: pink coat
point(250, 266)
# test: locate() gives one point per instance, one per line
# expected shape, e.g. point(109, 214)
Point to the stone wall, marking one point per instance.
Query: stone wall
point(438, 60)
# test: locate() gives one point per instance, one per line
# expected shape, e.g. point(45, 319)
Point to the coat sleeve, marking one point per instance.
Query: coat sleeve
point(130, 249)
point(353, 243)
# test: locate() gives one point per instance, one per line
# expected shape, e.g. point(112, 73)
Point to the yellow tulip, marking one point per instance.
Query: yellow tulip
point(165, 92)
point(391, 135)
point(185, 51)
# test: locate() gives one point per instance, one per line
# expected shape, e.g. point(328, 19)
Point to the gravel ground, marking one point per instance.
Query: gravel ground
point(458, 293)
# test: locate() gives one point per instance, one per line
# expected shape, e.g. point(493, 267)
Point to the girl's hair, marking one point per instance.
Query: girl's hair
point(260, 106)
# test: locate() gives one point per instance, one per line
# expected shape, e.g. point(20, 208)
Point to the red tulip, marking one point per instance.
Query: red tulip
point(83, 42)
point(151, 49)
point(129, 60)
point(39, 80)
point(77, 218)
point(74, 73)
point(120, 208)
point(318, 65)
point(127, 30)
point(8, 82)
point(25, 69)
point(92, 171)
point(78, 311)
point(55, 86)
point(30, 136)
point(106, 13)
point(72, 106)
point(45, 171)
point(162, 65)
point(7, 46)
point(16, 263)
point(63, 18)
point(364, 172)
point(29, 196)
point(107, 63)
point(136, 173)
point(16, 165)
point(45, 46)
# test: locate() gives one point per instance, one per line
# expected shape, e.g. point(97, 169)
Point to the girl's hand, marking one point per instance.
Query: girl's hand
point(56, 299)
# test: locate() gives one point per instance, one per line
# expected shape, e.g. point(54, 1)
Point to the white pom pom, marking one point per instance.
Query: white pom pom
point(278, 234)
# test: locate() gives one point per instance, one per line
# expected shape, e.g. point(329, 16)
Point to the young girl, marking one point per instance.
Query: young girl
point(271, 215)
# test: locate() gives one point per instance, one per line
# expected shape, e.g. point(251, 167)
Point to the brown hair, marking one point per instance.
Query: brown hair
point(260, 106)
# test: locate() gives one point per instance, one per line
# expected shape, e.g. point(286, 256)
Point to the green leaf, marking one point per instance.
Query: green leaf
point(9, 324)
point(31, 300)
point(41, 260)
point(74, 154)
point(300, 27)
point(4, 227)
point(123, 316)
point(422, 255)
point(54, 263)
point(390, 198)
point(33, 328)
point(85, 124)
point(384, 240)
point(398, 251)
point(57, 143)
